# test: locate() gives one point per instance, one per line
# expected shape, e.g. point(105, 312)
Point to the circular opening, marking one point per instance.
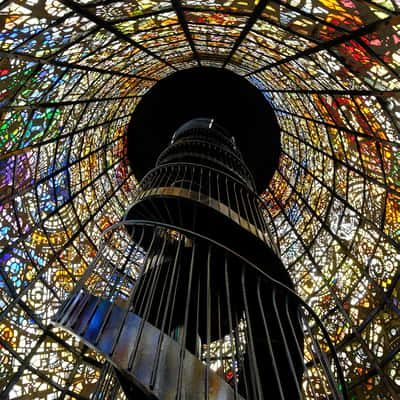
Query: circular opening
point(232, 101)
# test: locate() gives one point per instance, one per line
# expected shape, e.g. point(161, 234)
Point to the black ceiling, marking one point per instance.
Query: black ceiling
point(206, 92)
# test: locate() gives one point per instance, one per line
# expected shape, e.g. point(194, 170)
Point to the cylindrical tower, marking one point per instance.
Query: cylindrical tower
point(190, 299)
point(201, 183)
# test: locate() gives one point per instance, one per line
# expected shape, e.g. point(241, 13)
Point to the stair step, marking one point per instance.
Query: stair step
point(147, 358)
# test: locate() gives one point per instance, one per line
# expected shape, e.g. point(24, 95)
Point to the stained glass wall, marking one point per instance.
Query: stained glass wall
point(71, 74)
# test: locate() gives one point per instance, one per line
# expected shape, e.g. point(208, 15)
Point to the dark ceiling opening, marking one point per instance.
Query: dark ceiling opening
point(229, 99)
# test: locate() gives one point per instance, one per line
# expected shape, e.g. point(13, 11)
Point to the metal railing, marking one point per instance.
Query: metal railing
point(249, 329)
point(213, 188)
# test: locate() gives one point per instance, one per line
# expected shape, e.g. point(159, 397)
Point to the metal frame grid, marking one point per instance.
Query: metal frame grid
point(71, 75)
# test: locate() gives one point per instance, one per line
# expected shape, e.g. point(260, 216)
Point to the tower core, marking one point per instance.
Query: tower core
point(188, 297)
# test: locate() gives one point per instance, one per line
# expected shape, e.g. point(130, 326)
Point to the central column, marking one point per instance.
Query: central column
point(202, 184)
point(187, 297)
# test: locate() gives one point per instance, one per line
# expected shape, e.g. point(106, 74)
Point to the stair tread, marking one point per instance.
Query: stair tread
point(150, 358)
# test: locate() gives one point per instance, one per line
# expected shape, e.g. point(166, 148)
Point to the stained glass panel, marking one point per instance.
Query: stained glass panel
point(72, 73)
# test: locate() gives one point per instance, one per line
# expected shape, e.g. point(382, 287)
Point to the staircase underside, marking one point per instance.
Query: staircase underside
point(148, 361)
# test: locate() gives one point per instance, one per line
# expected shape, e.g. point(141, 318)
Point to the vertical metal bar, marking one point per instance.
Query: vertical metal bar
point(269, 342)
point(131, 254)
point(161, 305)
point(193, 177)
point(311, 350)
point(220, 338)
point(158, 179)
point(255, 213)
point(200, 184)
point(218, 192)
point(186, 318)
point(240, 218)
point(198, 312)
point(227, 196)
point(153, 210)
point(260, 219)
point(189, 292)
point(62, 314)
point(299, 350)
point(140, 330)
point(144, 276)
point(208, 322)
point(149, 294)
point(181, 219)
point(126, 312)
point(250, 345)
point(167, 172)
point(101, 386)
point(240, 342)
point(243, 204)
point(234, 346)
point(109, 297)
point(160, 337)
point(175, 283)
point(112, 285)
point(141, 273)
point(169, 305)
point(74, 314)
point(282, 331)
point(170, 215)
point(329, 374)
point(79, 286)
